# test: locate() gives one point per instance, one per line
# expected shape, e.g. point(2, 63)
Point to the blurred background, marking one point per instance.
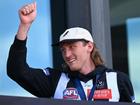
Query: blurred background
point(123, 25)
point(125, 33)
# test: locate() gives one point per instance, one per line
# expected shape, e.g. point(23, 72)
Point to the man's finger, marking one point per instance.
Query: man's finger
point(28, 9)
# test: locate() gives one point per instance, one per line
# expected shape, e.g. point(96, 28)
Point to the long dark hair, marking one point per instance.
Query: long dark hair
point(96, 56)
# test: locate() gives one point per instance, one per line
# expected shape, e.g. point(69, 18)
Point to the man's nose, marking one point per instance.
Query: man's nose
point(67, 53)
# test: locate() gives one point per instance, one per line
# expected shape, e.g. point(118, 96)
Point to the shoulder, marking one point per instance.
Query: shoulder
point(53, 72)
point(120, 75)
point(123, 80)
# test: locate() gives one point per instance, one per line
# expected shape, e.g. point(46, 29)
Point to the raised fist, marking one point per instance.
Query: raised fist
point(27, 13)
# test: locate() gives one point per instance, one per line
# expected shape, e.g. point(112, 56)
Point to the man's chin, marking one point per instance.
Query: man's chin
point(73, 68)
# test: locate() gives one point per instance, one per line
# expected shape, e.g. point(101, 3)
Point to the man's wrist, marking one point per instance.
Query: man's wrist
point(23, 31)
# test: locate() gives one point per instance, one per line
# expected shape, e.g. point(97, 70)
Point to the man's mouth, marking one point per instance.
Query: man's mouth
point(71, 61)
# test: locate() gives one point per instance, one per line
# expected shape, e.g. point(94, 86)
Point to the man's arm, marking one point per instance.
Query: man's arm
point(125, 88)
point(27, 15)
point(32, 79)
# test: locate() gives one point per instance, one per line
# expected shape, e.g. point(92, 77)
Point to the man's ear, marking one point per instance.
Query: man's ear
point(90, 46)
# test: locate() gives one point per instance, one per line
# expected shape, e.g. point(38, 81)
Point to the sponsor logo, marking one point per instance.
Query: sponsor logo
point(70, 93)
point(65, 33)
point(103, 94)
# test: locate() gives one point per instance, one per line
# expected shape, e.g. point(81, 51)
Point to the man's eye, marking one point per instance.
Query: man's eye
point(72, 46)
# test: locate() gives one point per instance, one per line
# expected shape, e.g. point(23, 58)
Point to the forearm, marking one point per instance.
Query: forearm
point(23, 31)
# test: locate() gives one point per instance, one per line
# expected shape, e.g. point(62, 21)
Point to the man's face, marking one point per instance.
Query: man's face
point(76, 54)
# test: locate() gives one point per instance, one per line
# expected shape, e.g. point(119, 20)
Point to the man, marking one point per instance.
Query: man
point(84, 76)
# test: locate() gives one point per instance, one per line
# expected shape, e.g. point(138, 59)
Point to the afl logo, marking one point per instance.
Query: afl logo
point(70, 93)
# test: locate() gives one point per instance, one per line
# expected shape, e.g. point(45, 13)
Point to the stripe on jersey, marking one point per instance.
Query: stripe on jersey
point(46, 71)
point(61, 86)
point(111, 78)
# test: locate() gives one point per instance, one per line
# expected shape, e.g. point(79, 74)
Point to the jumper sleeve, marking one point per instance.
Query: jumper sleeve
point(125, 88)
point(32, 79)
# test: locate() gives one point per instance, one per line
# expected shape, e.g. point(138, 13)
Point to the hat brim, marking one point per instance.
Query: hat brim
point(67, 41)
